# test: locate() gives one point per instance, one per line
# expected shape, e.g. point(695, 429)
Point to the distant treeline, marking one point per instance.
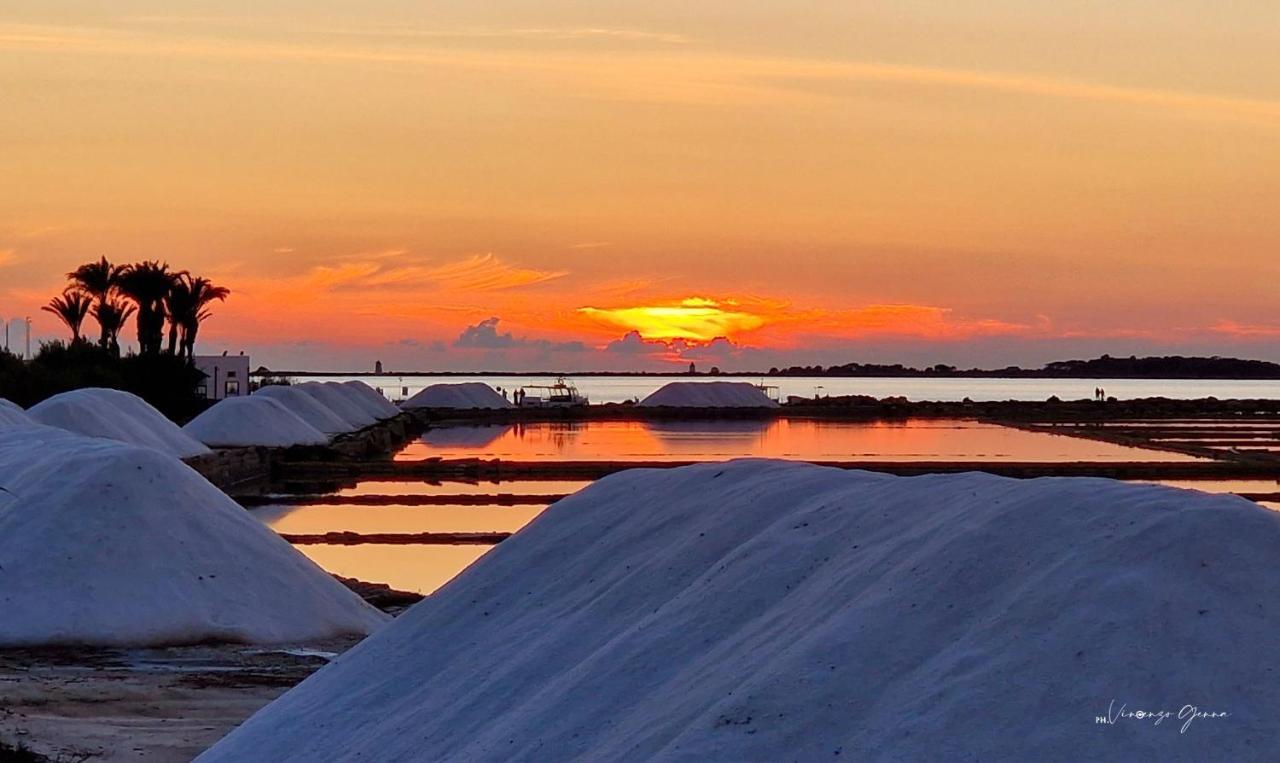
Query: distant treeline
point(1105, 367)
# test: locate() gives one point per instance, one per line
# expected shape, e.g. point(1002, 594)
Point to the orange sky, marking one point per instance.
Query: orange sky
point(523, 184)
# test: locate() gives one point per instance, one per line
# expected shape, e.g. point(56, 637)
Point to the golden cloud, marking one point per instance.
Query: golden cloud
point(701, 319)
point(695, 318)
point(399, 269)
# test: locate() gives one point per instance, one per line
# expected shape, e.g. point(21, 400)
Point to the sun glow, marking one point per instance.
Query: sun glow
point(694, 318)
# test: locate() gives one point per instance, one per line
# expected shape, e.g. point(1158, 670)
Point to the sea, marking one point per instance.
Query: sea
point(618, 389)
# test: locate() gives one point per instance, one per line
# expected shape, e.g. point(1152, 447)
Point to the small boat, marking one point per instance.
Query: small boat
point(771, 391)
point(562, 394)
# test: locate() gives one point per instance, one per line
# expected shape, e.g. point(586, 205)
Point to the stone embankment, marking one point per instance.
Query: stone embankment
point(246, 471)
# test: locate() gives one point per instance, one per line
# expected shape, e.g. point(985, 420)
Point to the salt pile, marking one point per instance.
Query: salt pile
point(116, 415)
point(340, 403)
point(464, 395)
point(108, 544)
point(764, 610)
point(370, 399)
point(306, 407)
point(12, 415)
point(717, 394)
point(245, 421)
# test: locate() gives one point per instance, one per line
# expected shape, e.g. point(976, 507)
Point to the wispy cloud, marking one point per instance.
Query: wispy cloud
point(929, 322)
point(189, 20)
point(689, 77)
point(525, 33)
point(399, 269)
point(486, 272)
point(402, 32)
point(1246, 330)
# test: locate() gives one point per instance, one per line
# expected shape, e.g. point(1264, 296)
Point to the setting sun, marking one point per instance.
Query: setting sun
point(695, 318)
point(846, 181)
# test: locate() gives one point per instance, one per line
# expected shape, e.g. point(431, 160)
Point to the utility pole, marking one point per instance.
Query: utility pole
point(28, 355)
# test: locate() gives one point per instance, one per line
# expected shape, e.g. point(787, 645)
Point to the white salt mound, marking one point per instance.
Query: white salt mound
point(717, 394)
point(463, 395)
point(340, 403)
point(108, 544)
point(244, 421)
point(116, 415)
point(770, 611)
point(370, 399)
point(12, 415)
point(306, 407)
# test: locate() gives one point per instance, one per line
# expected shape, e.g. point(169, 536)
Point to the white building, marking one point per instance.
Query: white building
point(225, 376)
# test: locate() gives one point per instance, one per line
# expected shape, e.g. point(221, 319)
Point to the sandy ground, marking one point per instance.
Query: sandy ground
point(143, 704)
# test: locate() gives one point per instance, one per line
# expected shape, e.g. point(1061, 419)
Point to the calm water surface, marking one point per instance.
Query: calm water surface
point(407, 568)
point(915, 440)
point(617, 389)
point(510, 487)
point(322, 518)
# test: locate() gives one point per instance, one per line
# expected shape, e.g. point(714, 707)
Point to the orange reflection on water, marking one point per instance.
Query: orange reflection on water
point(420, 568)
point(511, 487)
point(1220, 486)
point(915, 440)
point(327, 518)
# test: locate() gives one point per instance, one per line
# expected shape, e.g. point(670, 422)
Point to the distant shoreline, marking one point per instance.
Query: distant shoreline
point(1170, 368)
point(757, 375)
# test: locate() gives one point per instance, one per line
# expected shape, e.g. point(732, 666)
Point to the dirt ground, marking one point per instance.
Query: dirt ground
point(143, 704)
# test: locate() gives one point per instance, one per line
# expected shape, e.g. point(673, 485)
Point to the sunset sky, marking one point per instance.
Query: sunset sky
point(607, 185)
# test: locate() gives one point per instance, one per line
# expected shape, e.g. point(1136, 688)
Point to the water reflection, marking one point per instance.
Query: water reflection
point(1221, 486)
point(914, 440)
point(465, 437)
point(420, 568)
point(325, 518)
point(513, 487)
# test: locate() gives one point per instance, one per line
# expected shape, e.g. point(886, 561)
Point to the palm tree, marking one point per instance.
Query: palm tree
point(177, 304)
point(187, 305)
point(98, 279)
point(148, 284)
point(111, 316)
point(71, 308)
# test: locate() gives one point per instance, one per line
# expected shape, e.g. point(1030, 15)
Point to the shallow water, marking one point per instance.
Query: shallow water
point(325, 518)
point(914, 440)
point(510, 487)
point(1221, 486)
point(420, 568)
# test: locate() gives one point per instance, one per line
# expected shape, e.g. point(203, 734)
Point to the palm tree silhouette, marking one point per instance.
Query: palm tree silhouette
point(111, 316)
point(148, 284)
point(187, 305)
point(98, 279)
point(71, 308)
